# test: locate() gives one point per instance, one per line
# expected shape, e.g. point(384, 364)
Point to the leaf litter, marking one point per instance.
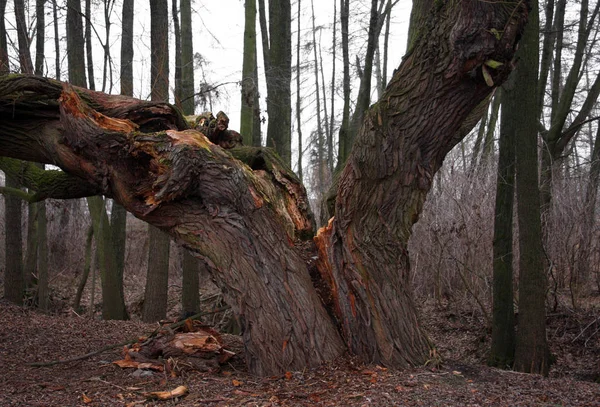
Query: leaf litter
point(460, 379)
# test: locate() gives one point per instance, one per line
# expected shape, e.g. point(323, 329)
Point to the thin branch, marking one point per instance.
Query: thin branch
point(19, 193)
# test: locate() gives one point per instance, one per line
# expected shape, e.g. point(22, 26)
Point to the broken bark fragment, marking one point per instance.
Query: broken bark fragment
point(193, 346)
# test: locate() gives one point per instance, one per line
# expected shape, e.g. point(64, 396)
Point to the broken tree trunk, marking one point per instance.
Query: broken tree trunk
point(241, 222)
point(423, 113)
point(243, 219)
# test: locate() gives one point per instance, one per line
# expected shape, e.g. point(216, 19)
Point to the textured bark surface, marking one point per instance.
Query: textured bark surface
point(127, 48)
point(14, 285)
point(157, 279)
point(242, 222)
point(242, 219)
point(190, 294)
point(277, 52)
point(113, 300)
point(4, 64)
point(250, 109)
point(363, 252)
point(531, 352)
point(187, 59)
point(75, 43)
point(502, 350)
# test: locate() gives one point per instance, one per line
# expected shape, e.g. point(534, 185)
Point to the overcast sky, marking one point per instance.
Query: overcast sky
point(218, 29)
point(218, 36)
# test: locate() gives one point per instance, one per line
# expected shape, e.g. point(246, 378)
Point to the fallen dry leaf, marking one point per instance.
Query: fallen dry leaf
point(167, 395)
point(85, 398)
point(288, 375)
point(236, 383)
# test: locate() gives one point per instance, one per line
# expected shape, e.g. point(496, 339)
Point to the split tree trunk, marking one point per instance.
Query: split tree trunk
point(242, 220)
point(404, 139)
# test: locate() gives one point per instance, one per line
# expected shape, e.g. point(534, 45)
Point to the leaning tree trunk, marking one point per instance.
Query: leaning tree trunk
point(243, 219)
point(403, 141)
point(223, 211)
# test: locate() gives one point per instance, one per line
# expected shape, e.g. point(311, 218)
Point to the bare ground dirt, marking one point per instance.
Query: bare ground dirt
point(462, 379)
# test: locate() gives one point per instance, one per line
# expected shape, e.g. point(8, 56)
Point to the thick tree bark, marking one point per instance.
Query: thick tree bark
point(87, 263)
point(40, 36)
point(127, 48)
point(24, 54)
point(88, 45)
point(190, 297)
point(155, 296)
point(13, 271)
point(242, 220)
point(4, 64)
point(187, 58)
point(113, 300)
point(75, 43)
point(223, 211)
point(363, 251)
point(503, 323)
point(250, 110)
point(344, 143)
point(300, 170)
point(277, 51)
point(531, 352)
point(157, 278)
point(56, 41)
point(177, 75)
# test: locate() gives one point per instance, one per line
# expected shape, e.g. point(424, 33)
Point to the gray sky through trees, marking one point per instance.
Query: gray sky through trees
point(218, 36)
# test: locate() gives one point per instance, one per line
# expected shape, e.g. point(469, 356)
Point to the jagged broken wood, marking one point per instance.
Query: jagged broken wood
point(121, 344)
point(243, 219)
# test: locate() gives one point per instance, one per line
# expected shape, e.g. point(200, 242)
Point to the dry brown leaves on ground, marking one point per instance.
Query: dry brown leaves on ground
point(28, 336)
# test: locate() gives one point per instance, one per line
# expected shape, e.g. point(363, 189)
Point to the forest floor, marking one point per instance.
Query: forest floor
point(462, 379)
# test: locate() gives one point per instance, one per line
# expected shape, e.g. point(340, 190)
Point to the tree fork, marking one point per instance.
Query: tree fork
point(141, 154)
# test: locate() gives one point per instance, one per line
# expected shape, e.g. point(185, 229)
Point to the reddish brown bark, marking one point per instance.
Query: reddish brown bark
point(403, 141)
point(242, 220)
point(232, 217)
